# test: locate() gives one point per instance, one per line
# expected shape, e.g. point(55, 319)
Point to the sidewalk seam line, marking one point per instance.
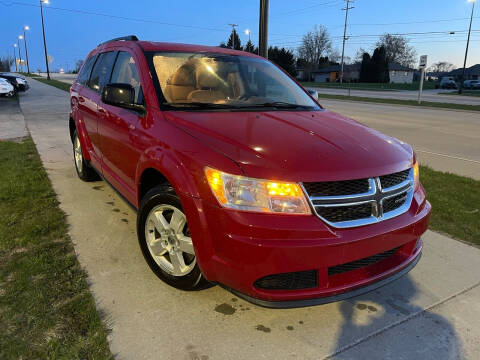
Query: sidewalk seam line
point(399, 322)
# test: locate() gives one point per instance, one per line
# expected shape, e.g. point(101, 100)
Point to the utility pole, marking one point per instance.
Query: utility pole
point(19, 53)
point(25, 41)
point(15, 57)
point(233, 34)
point(344, 37)
point(263, 29)
point(460, 89)
point(44, 41)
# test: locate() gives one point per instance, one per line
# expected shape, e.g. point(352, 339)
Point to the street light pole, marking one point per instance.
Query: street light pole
point(263, 29)
point(25, 41)
point(460, 89)
point(344, 38)
point(44, 41)
point(15, 57)
point(19, 52)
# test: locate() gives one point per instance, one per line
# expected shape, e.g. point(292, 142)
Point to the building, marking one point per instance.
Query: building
point(400, 74)
point(351, 73)
point(471, 73)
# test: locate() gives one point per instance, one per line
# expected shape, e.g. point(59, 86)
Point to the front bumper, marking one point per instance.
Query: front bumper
point(237, 248)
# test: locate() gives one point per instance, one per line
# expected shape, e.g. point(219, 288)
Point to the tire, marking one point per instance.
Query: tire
point(84, 170)
point(165, 243)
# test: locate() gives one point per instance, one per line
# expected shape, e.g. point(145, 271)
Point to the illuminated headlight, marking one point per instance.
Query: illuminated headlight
point(243, 193)
point(20, 81)
point(416, 174)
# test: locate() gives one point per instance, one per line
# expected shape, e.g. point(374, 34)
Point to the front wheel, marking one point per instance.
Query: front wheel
point(84, 170)
point(165, 239)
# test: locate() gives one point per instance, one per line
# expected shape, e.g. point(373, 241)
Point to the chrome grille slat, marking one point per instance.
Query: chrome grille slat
point(350, 209)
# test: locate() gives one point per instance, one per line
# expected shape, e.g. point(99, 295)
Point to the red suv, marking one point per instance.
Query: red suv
point(239, 177)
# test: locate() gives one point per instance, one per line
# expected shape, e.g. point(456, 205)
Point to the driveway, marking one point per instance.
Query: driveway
point(428, 95)
point(432, 313)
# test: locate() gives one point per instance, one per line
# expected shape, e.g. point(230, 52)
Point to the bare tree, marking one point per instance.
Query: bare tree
point(398, 50)
point(315, 45)
point(78, 65)
point(6, 63)
point(441, 66)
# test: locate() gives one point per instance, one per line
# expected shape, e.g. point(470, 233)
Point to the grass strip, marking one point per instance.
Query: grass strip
point(455, 204)
point(46, 309)
point(414, 86)
point(58, 84)
point(424, 104)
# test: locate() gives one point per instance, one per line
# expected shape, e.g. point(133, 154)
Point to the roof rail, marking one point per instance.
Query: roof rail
point(124, 38)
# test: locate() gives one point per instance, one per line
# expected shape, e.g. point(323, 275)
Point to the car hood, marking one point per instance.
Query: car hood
point(297, 145)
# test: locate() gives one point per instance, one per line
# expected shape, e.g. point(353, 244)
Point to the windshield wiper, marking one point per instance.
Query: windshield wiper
point(283, 105)
point(200, 105)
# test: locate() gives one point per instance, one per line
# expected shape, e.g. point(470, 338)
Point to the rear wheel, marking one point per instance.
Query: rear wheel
point(84, 170)
point(165, 239)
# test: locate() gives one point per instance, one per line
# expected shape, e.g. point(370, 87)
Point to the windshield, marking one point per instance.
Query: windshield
point(226, 81)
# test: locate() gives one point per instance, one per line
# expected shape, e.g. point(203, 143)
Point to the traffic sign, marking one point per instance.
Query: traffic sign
point(423, 62)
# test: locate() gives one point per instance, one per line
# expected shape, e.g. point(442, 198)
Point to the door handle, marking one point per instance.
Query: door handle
point(81, 99)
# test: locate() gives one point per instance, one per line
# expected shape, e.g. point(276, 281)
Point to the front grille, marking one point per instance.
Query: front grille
point(361, 263)
point(289, 281)
point(394, 202)
point(345, 213)
point(336, 188)
point(394, 179)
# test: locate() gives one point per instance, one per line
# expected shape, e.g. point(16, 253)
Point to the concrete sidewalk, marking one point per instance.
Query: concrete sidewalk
point(432, 313)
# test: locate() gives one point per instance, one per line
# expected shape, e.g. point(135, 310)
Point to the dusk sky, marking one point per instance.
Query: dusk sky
point(73, 29)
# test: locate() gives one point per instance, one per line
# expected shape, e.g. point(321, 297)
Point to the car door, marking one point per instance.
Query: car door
point(90, 97)
point(117, 126)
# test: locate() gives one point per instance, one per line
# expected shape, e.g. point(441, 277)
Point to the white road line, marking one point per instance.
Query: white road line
point(448, 156)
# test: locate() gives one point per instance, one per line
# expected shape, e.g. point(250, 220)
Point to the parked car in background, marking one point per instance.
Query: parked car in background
point(18, 82)
point(471, 84)
point(6, 89)
point(240, 177)
point(447, 82)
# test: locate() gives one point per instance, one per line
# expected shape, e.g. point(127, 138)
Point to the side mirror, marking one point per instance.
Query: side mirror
point(121, 95)
point(314, 93)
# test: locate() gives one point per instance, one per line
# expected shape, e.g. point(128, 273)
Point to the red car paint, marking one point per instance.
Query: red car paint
point(235, 248)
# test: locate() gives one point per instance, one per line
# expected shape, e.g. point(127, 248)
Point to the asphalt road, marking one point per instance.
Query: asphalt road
point(446, 140)
point(432, 313)
point(428, 95)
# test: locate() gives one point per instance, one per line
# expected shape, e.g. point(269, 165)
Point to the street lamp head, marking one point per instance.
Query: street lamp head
point(471, 1)
point(247, 32)
point(15, 45)
point(26, 27)
point(20, 37)
point(46, 2)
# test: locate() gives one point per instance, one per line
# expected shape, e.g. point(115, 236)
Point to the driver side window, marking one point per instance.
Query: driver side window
point(126, 72)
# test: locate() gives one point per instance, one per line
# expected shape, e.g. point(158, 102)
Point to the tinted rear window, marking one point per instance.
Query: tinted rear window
point(84, 74)
point(101, 71)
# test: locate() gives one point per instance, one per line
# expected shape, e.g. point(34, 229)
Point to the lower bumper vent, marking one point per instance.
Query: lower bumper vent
point(289, 281)
point(357, 264)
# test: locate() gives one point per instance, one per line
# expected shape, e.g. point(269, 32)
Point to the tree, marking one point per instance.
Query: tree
point(398, 50)
point(78, 65)
point(441, 66)
point(237, 45)
point(379, 66)
point(6, 63)
point(283, 58)
point(315, 45)
point(365, 68)
point(249, 47)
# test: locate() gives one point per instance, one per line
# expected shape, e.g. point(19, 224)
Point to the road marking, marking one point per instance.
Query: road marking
point(448, 156)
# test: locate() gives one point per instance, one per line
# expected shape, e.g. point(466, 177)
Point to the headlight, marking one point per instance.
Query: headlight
point(243, 193)
point(20, 81)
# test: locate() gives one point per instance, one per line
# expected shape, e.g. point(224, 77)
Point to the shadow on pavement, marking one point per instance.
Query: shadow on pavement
point(412, 333)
